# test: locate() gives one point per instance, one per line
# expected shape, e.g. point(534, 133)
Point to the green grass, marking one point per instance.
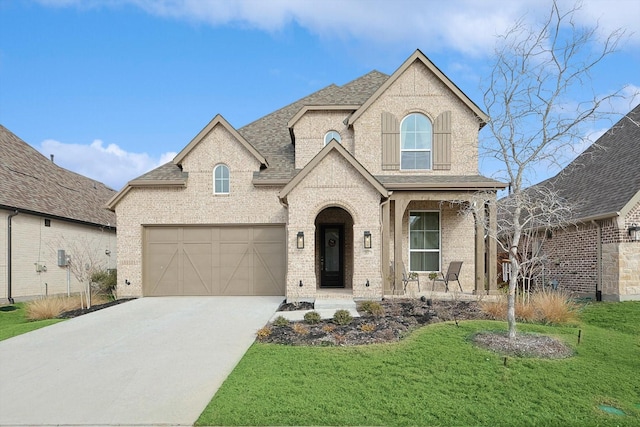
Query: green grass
point(438, 377)
point(13, 321)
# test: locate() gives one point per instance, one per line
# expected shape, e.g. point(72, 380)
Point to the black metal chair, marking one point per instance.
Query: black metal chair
point(407, 277)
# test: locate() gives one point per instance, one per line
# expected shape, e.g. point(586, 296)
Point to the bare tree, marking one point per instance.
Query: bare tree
point(535, 119)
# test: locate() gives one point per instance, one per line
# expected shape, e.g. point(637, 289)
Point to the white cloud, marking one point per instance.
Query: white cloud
point(111, 164)
point(467, 26)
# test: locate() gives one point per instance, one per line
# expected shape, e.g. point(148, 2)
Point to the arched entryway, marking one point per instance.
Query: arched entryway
point(334, 248)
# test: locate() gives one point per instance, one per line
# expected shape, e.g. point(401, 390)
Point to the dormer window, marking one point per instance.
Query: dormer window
point(415, 142)
point(332, 134)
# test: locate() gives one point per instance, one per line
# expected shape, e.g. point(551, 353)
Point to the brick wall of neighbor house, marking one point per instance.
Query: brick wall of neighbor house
point(573, 259)
point(333, 183)
point(195, 204)
point(417, 90)
point(34, 243)
point(311, 129)
point(457, 242)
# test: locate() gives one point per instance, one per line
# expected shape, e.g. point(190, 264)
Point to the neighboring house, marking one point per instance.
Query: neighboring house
point(43, 209)
point(335, 191)
point(598, 256)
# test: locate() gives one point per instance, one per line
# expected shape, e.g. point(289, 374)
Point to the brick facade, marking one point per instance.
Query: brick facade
point(34, 244)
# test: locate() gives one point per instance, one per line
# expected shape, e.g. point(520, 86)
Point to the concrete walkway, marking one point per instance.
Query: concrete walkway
point(152, 361)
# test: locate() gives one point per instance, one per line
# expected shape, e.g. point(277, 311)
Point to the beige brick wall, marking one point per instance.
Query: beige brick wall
point(334, 183)
point(417, 90)
point(311, 129)
point(33, 243)
point(195, 204)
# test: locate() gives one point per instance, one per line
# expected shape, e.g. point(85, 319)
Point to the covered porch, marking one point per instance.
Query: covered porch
point(424, 231)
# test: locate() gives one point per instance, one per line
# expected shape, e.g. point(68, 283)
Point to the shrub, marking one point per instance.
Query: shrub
point(312, 317)
point(105, 282)
point(328, 328)
point(373, 308)
point(300, 329)
point(342, 317)
point(280, 321)
point(48, 308)
point(555, 307)
point(263, 333)
point(367, 327)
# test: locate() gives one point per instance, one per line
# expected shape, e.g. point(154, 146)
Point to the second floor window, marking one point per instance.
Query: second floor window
point(332, 134)
point(221, 179)
point(415, 142)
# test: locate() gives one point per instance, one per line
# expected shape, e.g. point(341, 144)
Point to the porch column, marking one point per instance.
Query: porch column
point(386, 239)
point(480, 252)
point(492, 258)
point(400, 206)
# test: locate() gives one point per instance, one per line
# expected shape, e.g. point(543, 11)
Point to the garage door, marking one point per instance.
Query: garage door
point(235, 260)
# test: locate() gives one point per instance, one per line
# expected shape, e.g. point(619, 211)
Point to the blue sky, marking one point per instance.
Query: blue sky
point(114, 88)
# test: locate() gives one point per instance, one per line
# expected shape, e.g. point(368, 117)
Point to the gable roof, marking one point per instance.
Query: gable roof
point(218, 120)
point(605, 178)
point(419, 56)
point(332, 146)
point(32, 183)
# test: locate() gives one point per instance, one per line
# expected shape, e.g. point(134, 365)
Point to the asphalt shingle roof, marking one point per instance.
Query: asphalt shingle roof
point(31, 182)
point(604, 178)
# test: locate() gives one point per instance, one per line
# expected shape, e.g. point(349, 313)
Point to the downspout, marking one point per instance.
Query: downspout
point(9, 296)
point(598, 261)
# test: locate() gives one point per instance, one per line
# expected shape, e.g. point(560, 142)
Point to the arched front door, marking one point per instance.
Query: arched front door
point(334, 248)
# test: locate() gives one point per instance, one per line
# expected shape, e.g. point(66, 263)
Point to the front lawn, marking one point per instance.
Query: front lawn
point(438, 377)
point(13, 321)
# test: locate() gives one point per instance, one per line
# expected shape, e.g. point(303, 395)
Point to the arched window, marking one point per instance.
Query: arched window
point(332, 134)
point(415, 142)
point(221, 179)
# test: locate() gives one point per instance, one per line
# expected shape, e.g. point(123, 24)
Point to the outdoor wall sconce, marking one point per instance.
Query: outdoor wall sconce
point(300, 283)
point(367, 240)
point(107, 252)
point(300, 240)
point(634, 233)
point(367, 284)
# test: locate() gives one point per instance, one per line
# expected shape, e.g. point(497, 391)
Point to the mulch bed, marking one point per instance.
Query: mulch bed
point(81, 311)
point(400, 317)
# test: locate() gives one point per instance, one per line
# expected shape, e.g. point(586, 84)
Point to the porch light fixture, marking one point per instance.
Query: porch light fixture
point(300, 240)
point(367, 240)
point(634, 233)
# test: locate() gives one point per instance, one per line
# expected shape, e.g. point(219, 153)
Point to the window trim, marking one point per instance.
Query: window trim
point(417, 150)
point(228, 180)
point(439, 250)
point(339, 139)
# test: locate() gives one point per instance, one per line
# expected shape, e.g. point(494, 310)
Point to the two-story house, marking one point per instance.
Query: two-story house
point(342, 189)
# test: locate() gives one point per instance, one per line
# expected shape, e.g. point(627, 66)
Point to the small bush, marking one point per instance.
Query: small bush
point(553, 308)
point(263, 333)
point(328, 328)
point(49, 308)
point(373, 308)
point(367, 327)
point(300, 329)
point(339, 338)
point(280, 321)
point(105, 282)
point(342, 317)
point(312, 317)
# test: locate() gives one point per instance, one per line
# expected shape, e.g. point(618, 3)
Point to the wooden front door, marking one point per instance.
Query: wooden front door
point(332, 256)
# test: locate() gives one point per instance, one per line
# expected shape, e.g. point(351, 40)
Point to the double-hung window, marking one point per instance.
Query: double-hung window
point(221, 179)
point(424, 241)
point(415, 142)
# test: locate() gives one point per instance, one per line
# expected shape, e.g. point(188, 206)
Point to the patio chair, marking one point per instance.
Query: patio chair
point(406, 278)
point(453, 273)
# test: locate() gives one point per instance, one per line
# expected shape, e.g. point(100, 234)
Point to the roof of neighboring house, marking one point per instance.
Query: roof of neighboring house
point(606, 176)
point(30, 182)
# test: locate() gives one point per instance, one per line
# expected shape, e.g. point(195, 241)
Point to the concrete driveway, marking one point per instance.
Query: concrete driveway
point(145, 362)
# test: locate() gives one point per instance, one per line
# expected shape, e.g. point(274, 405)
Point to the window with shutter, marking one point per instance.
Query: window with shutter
point(442, 142)
point(416, 146)
point(390, 142)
